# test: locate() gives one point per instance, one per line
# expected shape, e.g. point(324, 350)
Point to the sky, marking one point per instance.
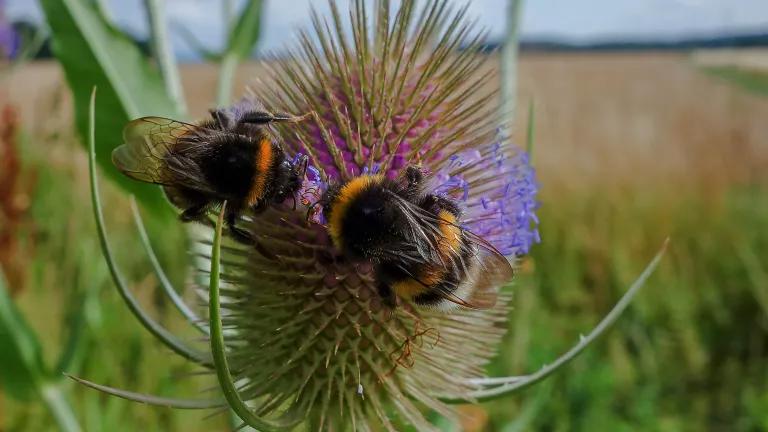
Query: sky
point(573, 20)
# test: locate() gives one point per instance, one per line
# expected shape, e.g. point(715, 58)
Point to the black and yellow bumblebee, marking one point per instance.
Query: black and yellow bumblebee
point(415, 241)
point(233, 157)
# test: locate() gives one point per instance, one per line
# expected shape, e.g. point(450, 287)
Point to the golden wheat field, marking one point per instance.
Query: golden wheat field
point(643, 119)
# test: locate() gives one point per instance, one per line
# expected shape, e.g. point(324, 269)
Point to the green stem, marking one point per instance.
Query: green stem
point(59, 408)
point(226, 78)
point(511, 385)
point(228, 12)
point(585, 341)
point(530, 132)
point(162, 49)
point(159, 332)
point(218, 347)
point(104, 11)
point(509, 65)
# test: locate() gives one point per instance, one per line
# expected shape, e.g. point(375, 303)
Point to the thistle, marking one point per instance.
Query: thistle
point(299, 334)
point(310, 335)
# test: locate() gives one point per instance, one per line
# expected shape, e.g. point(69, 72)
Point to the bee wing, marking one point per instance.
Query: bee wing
point(150, 153)
point(487, 270)
point(484, 268)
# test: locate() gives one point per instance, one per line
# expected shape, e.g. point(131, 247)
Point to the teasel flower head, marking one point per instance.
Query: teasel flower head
point(310, 336)
point(305, 335)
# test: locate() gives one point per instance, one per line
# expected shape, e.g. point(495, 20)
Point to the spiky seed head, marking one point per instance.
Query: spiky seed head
point(308, 335)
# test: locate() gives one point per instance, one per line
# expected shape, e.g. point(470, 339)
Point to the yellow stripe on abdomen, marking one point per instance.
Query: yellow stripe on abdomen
point(408, 288)
point(428, 277)
point(448, 245)
point(262, 165)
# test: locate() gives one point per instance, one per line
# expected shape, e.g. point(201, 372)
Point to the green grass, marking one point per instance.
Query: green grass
point(67, 262)
point(688, 355)
point(752, 81)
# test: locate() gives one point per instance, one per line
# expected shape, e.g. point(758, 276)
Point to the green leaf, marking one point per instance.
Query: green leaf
point(245, 33)
point(21, 361)
point(242, 39)
point(163, 52)
point(92, 53)
point(59, 408)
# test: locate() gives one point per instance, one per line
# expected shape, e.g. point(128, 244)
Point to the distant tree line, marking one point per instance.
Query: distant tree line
point(742, 40)
point(27, 31)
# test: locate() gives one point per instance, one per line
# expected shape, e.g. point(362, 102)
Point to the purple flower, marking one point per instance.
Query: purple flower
point(498, 188)
point(9, 39)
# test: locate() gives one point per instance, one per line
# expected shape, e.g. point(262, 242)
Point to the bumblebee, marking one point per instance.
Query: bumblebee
point(232, 156)
point(415, 240)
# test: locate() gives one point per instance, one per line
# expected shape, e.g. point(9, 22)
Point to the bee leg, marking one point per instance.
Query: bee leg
point(260, 207)
point(414, 175)
point(244, 237)
point(195, 213)
point(238, 234)
point(388, 296)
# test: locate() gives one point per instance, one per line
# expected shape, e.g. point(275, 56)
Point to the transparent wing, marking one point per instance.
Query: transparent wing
point(151, 152)
point(475, 270)
point(486, 271)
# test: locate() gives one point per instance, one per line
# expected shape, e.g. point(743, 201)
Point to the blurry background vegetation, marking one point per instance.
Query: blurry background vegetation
point(631, 147)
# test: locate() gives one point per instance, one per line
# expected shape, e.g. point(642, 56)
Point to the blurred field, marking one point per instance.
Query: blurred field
point(601, 116)
point(629, 149)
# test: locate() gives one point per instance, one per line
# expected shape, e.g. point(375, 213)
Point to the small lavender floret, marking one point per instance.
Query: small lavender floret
point(502, 210)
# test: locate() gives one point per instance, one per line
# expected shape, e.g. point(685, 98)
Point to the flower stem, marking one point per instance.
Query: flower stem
point(226, 78)
point(509, 64)
point(162, 50)
point(59, 408)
